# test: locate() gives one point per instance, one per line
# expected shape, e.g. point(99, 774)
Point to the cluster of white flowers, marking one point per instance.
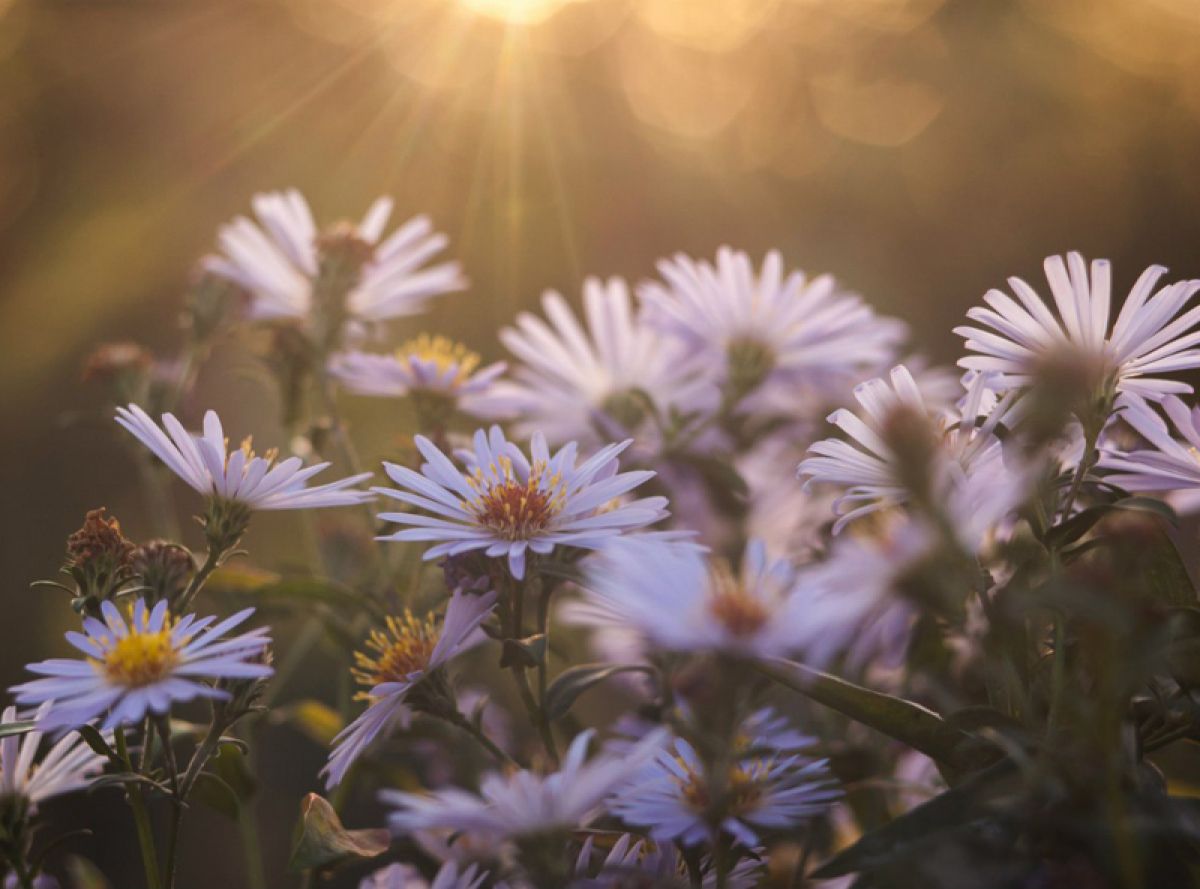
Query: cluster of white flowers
point(729, 467)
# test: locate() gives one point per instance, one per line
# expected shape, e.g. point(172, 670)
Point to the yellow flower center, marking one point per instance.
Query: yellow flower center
point(515, 509)
point(247, 448)
point(739, 611)
point(404, 647)
point(141, 658)
point(742, 792)
point(444, 354)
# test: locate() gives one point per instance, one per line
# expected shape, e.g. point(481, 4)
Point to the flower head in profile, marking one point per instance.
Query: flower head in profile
point(611, 377)
point(1018, 339)
point(238, 476)
point(427, 367)
point(68, 765)
point(766, 788)
point(288, 267)
point(507, 504)
point(674, 598)
point(142, 665)
point(1170, 465)
point(400, 660)
point(758, 326)
point(404, 876)
point(524, 803)
point(900, 445)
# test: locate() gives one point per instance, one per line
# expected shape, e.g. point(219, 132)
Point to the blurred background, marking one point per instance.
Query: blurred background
point(921, 150)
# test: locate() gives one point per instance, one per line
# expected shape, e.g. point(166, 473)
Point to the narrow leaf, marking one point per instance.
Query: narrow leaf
point(570, 684)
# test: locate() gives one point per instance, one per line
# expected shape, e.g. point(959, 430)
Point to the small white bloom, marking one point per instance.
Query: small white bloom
point(600, 383)
point(404, 876)
point(69, 765)
point(279, 260)
point(142, 666)
point(426, 366)
point(410, 651)
point(754, 326)
point(1149, 337)
point(675, 599)
point(204, 462)
point(508, 504)
point(1171, 466)
point(524, 803)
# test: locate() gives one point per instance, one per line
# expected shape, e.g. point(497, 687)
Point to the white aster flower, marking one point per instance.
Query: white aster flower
point(206, 464)
point(142, 666)
point(868, 466)
point(766, 789)
point(69, 765)
point(677, 600)
point(756, 326)
point(1149, 337)
point(598, 383)
point(280, 261)
point(1171, 466)
point(424, 367)
point(508, 504)
point(524, 803)
point(404, 876)
point(408, 653)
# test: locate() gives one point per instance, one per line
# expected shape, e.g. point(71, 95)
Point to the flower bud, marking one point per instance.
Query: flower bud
point(164, 568)
point(99, 557)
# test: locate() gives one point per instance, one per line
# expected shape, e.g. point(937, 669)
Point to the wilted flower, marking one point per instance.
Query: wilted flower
point(404, 876)
point(99, 556)
point(617, 378)
point(524, 803)
point(508, 504)
point(409, 653)
point(1149, 337)
point(753, 326)
point(1171, 466)
point(371, 278)
point(142, 666)
point(69, 765)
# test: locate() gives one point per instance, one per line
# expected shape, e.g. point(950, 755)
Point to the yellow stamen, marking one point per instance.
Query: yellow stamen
point(395, 653)
point(143, 657)
point(742, 792)
point(741, 612)
point(515, 509)
point(444, 354)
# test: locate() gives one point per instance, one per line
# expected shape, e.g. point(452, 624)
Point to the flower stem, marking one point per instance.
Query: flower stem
point(141, 818)
point(211, 562)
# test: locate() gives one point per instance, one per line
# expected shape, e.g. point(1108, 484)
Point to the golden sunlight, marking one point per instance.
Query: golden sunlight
point(516, 12)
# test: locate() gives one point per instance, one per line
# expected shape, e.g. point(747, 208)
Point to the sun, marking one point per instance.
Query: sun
point(516, 12)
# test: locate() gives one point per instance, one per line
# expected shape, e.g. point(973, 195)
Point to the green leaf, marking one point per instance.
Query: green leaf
point(528, 652)
point(213, 792)
point(907, 722)
point(1079, 524)
point(955, 810)
point(321, 841)
point(571, 683)
point(18, 727)
point(94, 739)
point(85, 875)
point(266, 586)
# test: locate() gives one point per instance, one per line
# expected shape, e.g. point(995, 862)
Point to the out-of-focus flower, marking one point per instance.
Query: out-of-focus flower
point(524, 803)
point(508, 504)
point(902, 447)
point(409, 653)
point(142, 666)
point(675, 798)
point(284, 262)
point(239, 476)
point(675, 599)
point(635, 863)
point(429, 367)
point(616, 379)
point(1172, 466)
point(1149, 338)
point(754, 326)
point(112, 361)
point(404, 876)
point(69, 765)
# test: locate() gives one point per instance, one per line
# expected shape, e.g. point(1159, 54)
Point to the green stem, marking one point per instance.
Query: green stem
point(1058, 674)
point(141, 818)
point(463, 724)
point(211, 562)
point(173, 823)
point(251, 846)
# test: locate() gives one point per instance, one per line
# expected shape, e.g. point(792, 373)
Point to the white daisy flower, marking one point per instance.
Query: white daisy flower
point(603, 382)
point(1171, 466)
point(142, 666)
point(768, 325)
point(508, 504)
point(280, 260)
point(868, 466)
point(1149, 337)
point(677, 600)
point(524, 803)
point(69, 765)
point(404, 876)
point(409, 652)
point(424, 367)
point(767, 789)
point(206, 464)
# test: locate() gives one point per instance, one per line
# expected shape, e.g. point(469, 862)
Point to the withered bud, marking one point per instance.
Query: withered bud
point(116, 362)
point(99, 556)
point(164, 568)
